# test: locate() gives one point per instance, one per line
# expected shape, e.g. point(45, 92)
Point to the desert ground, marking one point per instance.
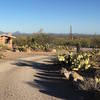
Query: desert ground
point(33, 77)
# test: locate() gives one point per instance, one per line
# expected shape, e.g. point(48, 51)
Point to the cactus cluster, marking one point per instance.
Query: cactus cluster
point(78, 61)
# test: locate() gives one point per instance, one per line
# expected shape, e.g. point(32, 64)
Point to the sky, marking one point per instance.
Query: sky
point(54, 16)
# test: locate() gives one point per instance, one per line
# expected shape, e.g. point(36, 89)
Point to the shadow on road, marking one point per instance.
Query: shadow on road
point(49, 81)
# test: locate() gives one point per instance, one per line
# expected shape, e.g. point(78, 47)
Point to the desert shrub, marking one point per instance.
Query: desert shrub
point(55, 40)
point(22, 48)
point(1, 56)
point(3, 47)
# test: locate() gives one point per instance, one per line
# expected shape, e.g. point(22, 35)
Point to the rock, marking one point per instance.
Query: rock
point(76, 76)
point(28, 50)
point(71, 75)
point(53, 51)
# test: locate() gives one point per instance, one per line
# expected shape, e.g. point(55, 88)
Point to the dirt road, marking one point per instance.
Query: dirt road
point(33, 78)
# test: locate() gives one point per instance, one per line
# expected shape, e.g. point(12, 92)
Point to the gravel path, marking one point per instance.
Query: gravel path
point(33, 78)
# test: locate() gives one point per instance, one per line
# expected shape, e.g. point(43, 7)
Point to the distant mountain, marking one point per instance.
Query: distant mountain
point(20, 33)
point(17, 33)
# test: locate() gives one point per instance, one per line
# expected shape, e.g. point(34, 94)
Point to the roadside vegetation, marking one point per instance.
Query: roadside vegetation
point(43, 41)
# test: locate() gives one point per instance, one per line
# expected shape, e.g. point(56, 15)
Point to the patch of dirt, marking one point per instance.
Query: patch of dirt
point(9, 55)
